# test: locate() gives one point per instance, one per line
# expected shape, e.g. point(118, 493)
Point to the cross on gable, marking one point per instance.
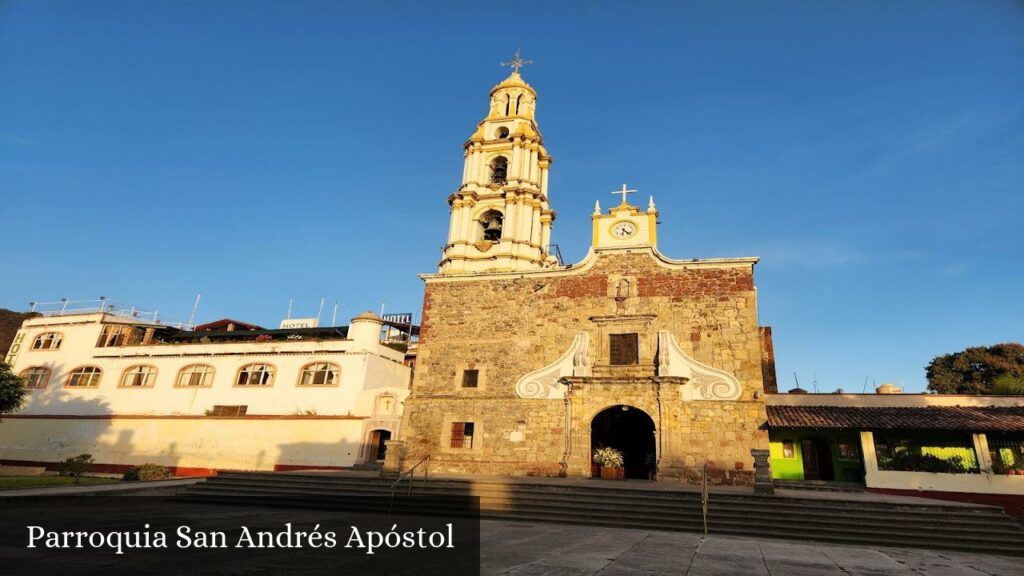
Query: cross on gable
point(624, 191)
point(517, 62)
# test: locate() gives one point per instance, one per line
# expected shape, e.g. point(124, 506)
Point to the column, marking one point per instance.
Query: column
point(544, 181)
point(545, 234)
point(515, 169)
point(393, 458)
point(525, 217)
point(867, 448)
point(474, 168)
point(453, 221)
point(508, 227)
point(466, 225)
point(762, 472)
point(981, 450)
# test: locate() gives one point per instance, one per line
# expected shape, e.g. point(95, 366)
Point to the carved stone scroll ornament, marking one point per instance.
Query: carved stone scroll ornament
point(543, 383)
point(706, 383)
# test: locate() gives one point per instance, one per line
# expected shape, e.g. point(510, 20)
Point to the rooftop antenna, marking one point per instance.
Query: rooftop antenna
point(334, 316)
point(289, 308)
point(797, 381)
point(382, 308)
point(865, 387)
point(814, 381)
point(320, 310)
point(195, 308)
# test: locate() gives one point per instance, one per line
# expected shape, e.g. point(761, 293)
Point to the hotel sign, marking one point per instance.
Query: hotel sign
point(12, 354)
point(292, 323)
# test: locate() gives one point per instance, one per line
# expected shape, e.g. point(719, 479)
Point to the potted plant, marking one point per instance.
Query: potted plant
point(610, 460)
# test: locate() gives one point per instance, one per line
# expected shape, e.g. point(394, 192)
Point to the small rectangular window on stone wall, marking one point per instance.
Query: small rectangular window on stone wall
point(462, 435)
point(624, 349)
point(470, 378)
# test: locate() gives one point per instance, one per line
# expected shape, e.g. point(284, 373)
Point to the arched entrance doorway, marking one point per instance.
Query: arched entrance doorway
point(377, 448)
point(817, 457)
point(629, 430)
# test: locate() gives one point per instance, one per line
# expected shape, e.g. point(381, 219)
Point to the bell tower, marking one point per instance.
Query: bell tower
point(500, 217)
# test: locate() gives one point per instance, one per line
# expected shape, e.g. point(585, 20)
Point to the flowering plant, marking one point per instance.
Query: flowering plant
point(610, 457)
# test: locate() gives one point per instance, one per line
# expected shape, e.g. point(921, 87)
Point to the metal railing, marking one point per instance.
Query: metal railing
point(1007, 456)
point(704, 498)
point(68, 307)
point(555, 251)
point(408, 474)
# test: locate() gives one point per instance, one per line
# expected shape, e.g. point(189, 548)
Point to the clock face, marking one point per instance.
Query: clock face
point(623, 229)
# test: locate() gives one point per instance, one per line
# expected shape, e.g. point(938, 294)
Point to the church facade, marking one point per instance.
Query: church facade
point(526, 366)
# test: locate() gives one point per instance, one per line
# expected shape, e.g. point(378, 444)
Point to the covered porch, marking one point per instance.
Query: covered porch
point(958, 448)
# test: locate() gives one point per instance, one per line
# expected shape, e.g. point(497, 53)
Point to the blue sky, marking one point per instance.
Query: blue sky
point(872, 153)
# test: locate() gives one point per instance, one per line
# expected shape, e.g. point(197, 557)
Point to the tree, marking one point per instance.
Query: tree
point(1008, 385)
point(12, 390)
point(975, 370)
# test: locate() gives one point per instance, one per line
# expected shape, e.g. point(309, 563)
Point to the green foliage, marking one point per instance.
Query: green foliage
point(75, 466)
point(25, 482)
point(1008, 385)
point(12, 390)
point(10, 323)
point(1000, 466)
point(610, 457)
point(975, 370)
point(910, 461)
point(147, 472)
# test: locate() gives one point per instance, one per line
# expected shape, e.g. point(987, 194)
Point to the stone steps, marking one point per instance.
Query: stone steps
point(820, 485)
point(860, 521)
point(675, 517)
point(658, 503)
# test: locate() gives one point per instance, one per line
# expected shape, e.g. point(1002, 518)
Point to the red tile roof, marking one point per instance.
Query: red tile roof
point(223, 323)
point(966, 418)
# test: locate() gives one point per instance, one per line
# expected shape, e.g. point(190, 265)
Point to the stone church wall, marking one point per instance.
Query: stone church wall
point(507, 325)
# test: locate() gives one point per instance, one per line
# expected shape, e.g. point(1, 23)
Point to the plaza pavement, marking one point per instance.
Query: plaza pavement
point(535, 549)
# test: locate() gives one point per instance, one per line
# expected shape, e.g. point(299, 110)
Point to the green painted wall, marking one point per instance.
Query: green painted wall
point(785, 468)
point(843, 468)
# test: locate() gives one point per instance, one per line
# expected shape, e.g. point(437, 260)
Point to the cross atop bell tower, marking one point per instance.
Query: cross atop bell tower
point(517, 62)
point(500, 216)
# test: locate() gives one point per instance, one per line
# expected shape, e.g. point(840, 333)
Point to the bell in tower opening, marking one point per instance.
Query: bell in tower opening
point(491, 222)
point(499, 170)
point(500, 215)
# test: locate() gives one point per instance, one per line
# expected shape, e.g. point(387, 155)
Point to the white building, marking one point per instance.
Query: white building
point(226, 395)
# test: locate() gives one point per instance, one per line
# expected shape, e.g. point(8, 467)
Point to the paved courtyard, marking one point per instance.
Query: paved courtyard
point(521, 549)
point(506, 548)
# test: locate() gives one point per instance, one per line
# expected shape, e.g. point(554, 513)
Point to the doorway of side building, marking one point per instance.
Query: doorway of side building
point(631, 431)
point(378, 449)
point(817, 457)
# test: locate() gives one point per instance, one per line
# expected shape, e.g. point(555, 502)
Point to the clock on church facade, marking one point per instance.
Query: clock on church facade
point(526, 365)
